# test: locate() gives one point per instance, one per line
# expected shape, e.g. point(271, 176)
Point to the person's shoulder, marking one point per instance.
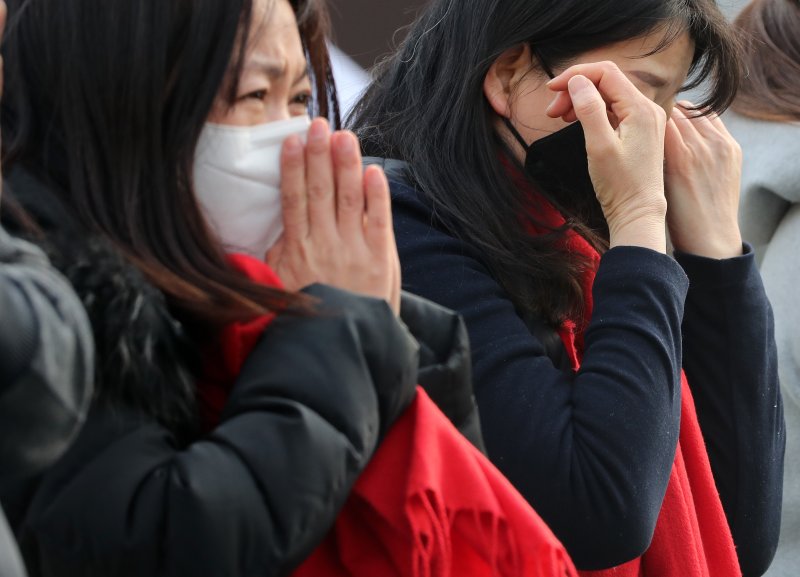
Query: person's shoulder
point(768, 136)
point(770, 151)
point(412, 208)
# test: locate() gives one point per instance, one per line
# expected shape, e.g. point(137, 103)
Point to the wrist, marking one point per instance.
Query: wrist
point(711, 246)
point(645, 228)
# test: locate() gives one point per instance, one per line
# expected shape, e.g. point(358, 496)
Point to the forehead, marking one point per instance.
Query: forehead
point(671, 61)
point(274, 33)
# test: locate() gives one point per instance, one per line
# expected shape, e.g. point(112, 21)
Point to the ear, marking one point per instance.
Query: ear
point(503, 75)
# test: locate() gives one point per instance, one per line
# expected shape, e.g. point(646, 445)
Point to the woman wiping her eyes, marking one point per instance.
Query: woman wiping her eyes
point(536, 157)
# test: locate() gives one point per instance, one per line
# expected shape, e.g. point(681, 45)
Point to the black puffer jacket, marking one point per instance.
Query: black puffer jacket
point(140, 494)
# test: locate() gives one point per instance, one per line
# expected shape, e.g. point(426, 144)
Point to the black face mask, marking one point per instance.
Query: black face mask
point(559, 166)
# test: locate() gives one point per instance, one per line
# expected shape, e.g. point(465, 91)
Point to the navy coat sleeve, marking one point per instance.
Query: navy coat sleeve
point(591, 451)
point(730, 360)
point(257, 494)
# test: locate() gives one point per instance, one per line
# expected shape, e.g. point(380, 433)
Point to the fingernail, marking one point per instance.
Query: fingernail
point(578, 84)
point(318, 131)
point(550, 106)
point(345, 143)
point(293, 144)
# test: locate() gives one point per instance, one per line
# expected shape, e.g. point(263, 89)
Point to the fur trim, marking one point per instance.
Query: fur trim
point(144, 359)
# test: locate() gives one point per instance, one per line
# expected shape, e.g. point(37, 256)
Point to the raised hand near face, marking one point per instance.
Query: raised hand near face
point(625, 155)
point(337, 218)
point(703, 168)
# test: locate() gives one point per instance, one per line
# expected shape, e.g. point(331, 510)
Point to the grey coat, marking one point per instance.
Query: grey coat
point(770, 219)
point(46, 372)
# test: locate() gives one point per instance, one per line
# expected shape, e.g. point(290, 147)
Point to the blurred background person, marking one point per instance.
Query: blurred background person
point(765, 119)
point(46, 370)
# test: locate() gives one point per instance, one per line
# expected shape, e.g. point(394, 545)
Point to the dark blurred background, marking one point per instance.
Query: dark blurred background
point(366, 30)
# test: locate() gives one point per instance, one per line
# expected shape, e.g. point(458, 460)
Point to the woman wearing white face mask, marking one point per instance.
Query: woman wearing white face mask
point(140, 146)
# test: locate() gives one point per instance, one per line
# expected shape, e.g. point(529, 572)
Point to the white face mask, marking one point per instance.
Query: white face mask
point(237, 182)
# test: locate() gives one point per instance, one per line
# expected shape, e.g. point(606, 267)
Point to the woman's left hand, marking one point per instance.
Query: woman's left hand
point(702, 175)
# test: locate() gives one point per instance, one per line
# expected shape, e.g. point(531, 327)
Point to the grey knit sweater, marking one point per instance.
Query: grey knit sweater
point(770, 220)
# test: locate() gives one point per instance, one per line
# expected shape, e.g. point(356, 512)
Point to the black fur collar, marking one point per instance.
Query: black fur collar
point(144, 359)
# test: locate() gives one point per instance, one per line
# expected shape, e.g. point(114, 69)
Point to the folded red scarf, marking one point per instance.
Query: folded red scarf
point(692, 536)
point(428, 504)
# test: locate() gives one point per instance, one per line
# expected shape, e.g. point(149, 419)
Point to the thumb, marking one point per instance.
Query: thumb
point(591, 111)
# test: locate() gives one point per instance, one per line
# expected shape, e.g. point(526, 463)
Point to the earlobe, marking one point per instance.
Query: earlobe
point(503, 76)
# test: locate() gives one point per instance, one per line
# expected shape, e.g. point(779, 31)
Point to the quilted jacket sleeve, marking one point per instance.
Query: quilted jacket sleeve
point(256, 495)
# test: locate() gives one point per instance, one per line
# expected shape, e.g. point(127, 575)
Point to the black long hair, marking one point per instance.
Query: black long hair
point(107, 99)
point(426, 106)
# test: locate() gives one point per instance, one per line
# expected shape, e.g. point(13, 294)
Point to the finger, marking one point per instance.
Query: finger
point(699, 120)
point(590, 109)
point(611, 83)
point(718, 124)
point(378, 230)
point(673, 144)
point(684, 125)
point(397, 281)
point(294, 200)
point(561, 105)
point(320, 180)
point(349, 184)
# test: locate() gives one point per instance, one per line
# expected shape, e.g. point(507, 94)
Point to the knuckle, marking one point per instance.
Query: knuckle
point(290, 199)
point(610, 66)
point(381, 221)
point(318, 191)
point(658, 113)
point(350, 200)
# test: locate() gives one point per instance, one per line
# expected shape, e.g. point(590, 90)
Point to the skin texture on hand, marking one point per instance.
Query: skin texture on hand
point(703, 166)
point(625, 161)
point(337, 219)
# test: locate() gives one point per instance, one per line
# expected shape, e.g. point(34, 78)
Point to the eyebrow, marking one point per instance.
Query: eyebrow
point(652, 79)
point(274, 68)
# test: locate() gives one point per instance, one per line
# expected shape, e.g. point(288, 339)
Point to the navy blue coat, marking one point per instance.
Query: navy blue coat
point(592, 451)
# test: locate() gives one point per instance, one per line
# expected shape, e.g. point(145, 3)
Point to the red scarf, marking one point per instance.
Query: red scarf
point(428, 504)
point(692, 536)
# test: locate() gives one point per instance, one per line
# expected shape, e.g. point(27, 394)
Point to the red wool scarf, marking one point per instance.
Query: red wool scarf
point(692, 536)
point(428, 504)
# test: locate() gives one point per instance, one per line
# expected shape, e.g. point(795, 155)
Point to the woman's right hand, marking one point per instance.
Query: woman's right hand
point(337, 218)
point(624, 133)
